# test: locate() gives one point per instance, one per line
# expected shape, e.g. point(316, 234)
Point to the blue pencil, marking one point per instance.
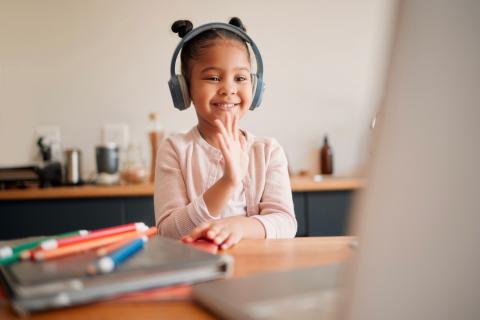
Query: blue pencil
point(109, 263)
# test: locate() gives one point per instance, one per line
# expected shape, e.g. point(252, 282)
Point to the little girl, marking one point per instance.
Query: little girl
point(218, 182)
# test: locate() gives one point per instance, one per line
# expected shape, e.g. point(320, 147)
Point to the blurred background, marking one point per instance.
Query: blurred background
point(70, 69)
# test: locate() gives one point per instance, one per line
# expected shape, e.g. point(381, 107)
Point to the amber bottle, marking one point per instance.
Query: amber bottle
point(156, 135)
point(326, 157)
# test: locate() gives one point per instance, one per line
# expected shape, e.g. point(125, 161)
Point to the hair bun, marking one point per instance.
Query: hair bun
point(182, 27)
point(237, 23)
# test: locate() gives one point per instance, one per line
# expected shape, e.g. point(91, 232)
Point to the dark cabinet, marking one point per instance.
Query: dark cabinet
point(139, 210)
point(47, 217)
point(300, 213)
point(322, 213)
point(328, 212)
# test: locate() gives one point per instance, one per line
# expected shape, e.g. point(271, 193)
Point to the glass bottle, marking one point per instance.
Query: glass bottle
point(156, 136)
point(326, 157)
point(134, 169)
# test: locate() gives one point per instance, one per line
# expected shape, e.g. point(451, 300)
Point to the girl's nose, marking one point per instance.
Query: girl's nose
point(228, 89)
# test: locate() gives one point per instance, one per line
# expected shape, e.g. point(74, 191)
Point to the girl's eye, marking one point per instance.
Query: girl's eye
point(213, 78)
point(241, 78)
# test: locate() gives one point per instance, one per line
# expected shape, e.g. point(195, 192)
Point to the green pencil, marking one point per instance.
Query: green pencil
point(16, 251)
point(10, 259)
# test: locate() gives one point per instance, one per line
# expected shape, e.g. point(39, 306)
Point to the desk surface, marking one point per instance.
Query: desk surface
point(251, 256)
point(299, 184)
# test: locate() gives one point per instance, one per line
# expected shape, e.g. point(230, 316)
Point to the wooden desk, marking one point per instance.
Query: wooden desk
point(251, 256)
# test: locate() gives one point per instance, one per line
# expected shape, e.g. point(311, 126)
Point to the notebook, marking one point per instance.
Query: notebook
point(34, 286)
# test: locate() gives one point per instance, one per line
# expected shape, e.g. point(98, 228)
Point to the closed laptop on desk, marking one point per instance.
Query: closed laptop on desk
point(63, 282)
point(310, 293)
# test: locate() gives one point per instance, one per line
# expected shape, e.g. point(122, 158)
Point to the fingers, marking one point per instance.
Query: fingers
point(243, 142)
point(232, 240)
point(235, 127)
point(214, 231)
point(221, 236)
point(223, 131)
point(221, 127)
point(197, 233)
point(228, 118)
point(229, 129)
point(223, 147)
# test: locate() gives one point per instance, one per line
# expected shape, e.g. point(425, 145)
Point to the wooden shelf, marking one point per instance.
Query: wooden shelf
point(304, 184)
point(299, 184)
point(88, 191)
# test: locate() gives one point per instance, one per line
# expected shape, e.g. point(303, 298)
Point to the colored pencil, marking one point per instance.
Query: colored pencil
point(81, 246)
point(115, 246)
point(7, 251)
point(10, 259)
point(95, 234)
point(108, 263)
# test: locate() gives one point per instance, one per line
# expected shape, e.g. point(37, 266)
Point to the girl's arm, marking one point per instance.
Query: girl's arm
point(276, 205)
point(175, 214)
point(234, 150)
point(276, 218)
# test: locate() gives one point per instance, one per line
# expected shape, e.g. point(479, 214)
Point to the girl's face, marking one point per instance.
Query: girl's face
point(220, 82)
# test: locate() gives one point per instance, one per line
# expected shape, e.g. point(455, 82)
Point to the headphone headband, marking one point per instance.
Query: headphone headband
point(218, 25)
point(178, 85)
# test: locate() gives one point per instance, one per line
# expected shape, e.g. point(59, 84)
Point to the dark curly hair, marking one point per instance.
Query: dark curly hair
point(196, 46)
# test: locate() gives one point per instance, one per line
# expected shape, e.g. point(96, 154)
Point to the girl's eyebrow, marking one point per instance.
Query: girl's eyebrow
point(209, 69)
point(219, 69)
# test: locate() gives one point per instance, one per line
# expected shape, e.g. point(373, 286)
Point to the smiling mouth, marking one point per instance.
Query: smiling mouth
point(225, 106)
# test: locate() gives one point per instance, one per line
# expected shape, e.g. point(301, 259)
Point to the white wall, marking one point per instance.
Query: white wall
point(81, 64)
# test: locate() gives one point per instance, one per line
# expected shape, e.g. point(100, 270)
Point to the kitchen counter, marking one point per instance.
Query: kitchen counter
point(299, 184)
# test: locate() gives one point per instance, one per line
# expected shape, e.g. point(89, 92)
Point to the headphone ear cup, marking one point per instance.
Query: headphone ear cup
point(179, 91)
point(184, 90)
point(258, 87)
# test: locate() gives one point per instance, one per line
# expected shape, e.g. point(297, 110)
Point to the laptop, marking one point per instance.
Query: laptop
point(275, 295)
point(418, 220)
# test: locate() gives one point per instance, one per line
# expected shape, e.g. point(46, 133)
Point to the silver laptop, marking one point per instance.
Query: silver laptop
point(275, 295)
point(418, 221)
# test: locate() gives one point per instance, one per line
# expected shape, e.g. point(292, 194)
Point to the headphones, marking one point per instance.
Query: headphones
point(178, 85)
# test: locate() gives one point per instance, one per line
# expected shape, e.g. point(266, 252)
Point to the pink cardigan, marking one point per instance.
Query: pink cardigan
point(187, 166)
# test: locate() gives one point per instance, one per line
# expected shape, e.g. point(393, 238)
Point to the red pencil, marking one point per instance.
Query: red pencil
point(116, 245)
point(95, 234)
point(82, 246)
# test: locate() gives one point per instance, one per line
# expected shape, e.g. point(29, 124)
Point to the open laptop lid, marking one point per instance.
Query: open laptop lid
point(419, 218)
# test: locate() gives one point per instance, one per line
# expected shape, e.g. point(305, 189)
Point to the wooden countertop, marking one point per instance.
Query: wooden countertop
point(299, 184)
point(250, 256)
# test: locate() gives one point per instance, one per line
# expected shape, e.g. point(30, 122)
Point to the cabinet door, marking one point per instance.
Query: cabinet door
point(140, 210)
point(47, 217)
point(300, 213)
point(328, 212)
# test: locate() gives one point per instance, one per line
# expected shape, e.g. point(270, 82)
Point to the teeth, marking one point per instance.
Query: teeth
point(225, 105)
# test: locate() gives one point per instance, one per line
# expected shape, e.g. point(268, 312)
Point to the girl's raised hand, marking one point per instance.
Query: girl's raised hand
point(234, 149)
